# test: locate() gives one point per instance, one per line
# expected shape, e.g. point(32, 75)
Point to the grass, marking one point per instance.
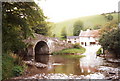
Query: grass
point(71, 50)
point(67, 53)
point(88, 21)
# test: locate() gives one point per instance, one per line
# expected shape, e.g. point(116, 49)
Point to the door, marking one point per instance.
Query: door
point(85, 44)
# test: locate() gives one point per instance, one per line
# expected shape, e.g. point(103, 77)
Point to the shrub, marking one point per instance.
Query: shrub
point(99, 51)
point(76, 45)
point(111, 41)
point(17, 59)
point(7, 65)
point(17, 70)
point(11, 66)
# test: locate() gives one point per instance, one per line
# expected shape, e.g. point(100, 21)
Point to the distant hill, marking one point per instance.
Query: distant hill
point(88, 21)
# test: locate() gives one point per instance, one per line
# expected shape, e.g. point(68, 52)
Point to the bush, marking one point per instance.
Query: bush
point(76, 45)
point(7, 65)
point(99, 51)
point(111, 41)
point(11, 66)
point(18, 59)
point(17, 70)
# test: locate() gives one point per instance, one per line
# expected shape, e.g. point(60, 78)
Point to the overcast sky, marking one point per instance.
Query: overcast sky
point(60, 10)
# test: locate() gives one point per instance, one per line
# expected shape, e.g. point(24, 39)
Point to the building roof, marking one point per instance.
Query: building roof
point(72, 37)
point(89, 33)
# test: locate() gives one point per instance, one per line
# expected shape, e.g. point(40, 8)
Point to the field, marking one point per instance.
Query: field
point(88, 22)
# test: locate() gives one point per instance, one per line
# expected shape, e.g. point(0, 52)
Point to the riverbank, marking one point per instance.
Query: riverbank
point(62, 67)
point(12, 66)
point(108, 70)
point(71, 51)
point(104, 72)
point(63, 76)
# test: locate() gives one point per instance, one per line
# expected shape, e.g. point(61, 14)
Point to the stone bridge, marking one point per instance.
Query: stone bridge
point(41, 45)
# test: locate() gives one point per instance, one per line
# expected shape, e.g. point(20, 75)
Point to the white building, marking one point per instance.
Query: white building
point(73, 39)
point(89, 37)
point(85, 38)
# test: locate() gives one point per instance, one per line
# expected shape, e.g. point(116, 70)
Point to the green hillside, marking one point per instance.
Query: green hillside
point(88, 21)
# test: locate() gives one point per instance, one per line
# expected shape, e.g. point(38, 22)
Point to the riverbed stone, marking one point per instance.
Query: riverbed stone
point(37, 64)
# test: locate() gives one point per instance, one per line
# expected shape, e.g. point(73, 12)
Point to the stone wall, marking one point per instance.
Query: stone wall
point(60, 45)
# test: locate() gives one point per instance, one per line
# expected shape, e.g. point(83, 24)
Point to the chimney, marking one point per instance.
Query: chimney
point(88, 29)
point(80, 32)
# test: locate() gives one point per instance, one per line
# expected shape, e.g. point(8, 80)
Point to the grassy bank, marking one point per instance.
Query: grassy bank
point(99, 51)
point(69, 51)
point(12, 66)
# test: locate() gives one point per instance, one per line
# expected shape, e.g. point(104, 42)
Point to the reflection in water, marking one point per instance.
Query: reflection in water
point(61, 64)
point(90, 62)
point(44, 59)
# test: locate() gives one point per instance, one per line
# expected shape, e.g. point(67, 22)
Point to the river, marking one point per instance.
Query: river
point(63, 67)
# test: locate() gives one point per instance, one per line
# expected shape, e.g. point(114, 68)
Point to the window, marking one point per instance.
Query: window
point(82, 43)
point(92, 43)
point(69, 41)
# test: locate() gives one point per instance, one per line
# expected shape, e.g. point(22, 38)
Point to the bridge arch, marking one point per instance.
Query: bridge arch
point(41, 49)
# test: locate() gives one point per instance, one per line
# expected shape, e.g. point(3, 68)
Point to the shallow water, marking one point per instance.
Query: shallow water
point(64, 67)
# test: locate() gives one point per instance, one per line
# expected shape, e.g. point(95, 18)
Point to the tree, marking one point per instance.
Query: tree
point(53, 35)
point(109, 26)
point(97, 26)
point(109, 17)
point(78, 26)
point(63, 33)
point(111, 41)
point(19, 21)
